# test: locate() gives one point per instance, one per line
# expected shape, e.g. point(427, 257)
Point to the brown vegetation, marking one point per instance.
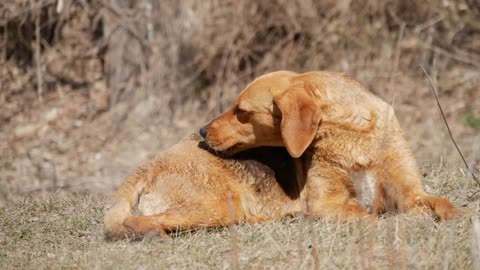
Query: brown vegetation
point(91, 88)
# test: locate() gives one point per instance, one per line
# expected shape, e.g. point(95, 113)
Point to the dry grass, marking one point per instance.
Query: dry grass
point(66, 232)
point(79, 112)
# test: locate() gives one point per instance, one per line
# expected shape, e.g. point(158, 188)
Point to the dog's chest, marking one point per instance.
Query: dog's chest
point(365, 188)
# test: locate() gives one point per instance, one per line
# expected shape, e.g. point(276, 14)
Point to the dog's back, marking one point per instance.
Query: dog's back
point(196, 184)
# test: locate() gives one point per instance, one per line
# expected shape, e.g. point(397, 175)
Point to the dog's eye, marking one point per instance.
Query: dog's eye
point(239, 111)
point(242, 115)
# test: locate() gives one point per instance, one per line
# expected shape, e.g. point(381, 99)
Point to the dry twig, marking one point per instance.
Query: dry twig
point(38, 49)
point(233, 235)
point(432, 87)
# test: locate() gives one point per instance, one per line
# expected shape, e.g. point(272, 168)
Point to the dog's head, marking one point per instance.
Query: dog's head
point(278, 109)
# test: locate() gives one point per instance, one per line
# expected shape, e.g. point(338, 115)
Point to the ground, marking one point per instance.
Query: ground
point(59, 232)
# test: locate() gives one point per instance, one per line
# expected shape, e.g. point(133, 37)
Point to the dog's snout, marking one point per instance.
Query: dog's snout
point(203, 132)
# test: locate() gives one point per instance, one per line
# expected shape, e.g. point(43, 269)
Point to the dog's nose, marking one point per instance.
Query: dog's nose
point(203, 132)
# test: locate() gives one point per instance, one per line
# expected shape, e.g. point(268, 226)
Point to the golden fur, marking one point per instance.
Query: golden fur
point(354, 155)
point(186, 187)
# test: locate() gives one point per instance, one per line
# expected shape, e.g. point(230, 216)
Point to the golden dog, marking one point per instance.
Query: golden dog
point(354, 155)
point(187, 187)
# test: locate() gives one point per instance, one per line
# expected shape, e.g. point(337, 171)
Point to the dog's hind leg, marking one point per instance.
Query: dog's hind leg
point(208, 214)
point(126, 198)
point(177, 219)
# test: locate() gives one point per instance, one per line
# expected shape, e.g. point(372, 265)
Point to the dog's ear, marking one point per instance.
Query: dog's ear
point(300, 119)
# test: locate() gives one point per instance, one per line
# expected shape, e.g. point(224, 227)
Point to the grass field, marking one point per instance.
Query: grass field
point(66, 232)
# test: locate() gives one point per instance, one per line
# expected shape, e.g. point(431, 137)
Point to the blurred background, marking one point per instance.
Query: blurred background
point(90, 89)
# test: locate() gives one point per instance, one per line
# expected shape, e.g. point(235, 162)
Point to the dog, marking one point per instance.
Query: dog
point(187, 187)
point(350, 144)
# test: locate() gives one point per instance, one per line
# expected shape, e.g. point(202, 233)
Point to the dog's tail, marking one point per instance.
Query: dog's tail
point(126, 199)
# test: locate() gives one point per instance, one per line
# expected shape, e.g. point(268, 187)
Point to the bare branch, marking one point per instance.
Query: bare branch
point(233, 234)
point(38, 49)
point(432, 87)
